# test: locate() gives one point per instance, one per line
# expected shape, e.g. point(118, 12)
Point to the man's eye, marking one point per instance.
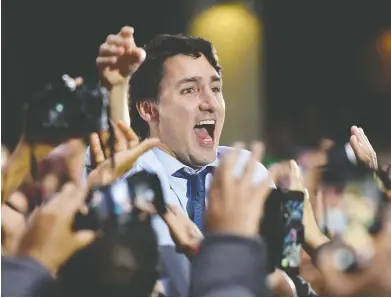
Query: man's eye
point(187, 91)
point(216, 89)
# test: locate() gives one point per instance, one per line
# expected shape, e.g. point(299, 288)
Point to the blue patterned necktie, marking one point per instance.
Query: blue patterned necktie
point(195, 193)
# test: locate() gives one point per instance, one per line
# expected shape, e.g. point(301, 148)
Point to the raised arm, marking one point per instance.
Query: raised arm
point(118, 59)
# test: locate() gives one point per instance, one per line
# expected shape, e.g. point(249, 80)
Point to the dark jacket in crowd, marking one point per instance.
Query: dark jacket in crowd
point(23, 277)
point(230, 266)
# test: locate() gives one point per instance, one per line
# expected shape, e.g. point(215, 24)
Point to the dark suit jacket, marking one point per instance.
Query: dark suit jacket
point(23, 277)
point(230, 266)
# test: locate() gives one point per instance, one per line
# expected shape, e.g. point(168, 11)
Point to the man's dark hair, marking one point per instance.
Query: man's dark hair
point(145, 82)
point(119, 264)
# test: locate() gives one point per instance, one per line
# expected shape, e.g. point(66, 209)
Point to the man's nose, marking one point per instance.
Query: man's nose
point(208, 102)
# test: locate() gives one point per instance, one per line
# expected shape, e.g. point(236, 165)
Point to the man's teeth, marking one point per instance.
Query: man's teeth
point(208, 139)
point(205, 122)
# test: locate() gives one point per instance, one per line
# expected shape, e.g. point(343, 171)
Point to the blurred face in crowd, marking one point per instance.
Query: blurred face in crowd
point(191, 109)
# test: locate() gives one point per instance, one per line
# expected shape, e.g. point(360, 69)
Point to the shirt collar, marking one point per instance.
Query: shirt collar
point(172, 165)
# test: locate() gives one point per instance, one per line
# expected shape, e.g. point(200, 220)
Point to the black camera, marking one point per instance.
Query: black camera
point(63, 110)
point(114, 206)
point(282, 230)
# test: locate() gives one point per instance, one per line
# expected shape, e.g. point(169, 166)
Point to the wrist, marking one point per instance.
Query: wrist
point(317, 239)
point(118, 85)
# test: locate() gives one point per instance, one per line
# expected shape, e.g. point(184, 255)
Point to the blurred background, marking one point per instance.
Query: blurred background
point(294, 71)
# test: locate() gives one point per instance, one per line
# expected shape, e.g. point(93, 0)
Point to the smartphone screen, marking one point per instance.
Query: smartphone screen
point(282, 229)
point(293, 239)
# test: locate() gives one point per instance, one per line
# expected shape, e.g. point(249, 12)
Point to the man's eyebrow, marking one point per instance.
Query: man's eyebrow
point(215, 79)
point(196, 79)
point(188, 80)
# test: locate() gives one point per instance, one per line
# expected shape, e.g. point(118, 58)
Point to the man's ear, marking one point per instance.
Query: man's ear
point(148, 111)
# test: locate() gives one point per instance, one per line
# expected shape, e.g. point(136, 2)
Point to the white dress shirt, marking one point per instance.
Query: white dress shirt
point(176, 275)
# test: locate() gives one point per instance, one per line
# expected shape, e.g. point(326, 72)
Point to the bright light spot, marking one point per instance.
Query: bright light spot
point(59, 107)
point(232, 28)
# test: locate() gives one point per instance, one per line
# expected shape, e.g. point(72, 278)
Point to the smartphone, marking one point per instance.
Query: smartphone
point(293, 233)
point(272, 227)
point(282, 229)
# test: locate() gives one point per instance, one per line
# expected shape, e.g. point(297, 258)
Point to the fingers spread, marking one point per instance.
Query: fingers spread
point(130, 135)
point(127, 159)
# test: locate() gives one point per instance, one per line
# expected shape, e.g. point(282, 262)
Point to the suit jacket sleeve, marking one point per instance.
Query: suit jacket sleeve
point(23, 277)
point(230, 266)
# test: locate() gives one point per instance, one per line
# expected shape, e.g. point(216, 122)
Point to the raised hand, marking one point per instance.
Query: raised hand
point(119, 58)
point(235, 204)
point(124, 139)
point(49, 238)
point(362, 148)
point(127, 148)
point(312, 234)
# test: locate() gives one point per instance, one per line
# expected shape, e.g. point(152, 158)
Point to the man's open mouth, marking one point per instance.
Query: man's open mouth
point(204, 130)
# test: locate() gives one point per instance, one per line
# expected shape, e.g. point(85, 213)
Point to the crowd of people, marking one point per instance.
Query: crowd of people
point(167, 113)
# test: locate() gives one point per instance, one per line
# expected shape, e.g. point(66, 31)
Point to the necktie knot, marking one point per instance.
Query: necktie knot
point(195, 193)
point(189, 174)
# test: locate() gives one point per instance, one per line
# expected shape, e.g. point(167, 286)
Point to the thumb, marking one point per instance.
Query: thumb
point(140, 54)
point(84, 238)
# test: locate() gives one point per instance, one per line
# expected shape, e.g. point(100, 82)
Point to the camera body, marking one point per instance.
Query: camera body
point(62, 111)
